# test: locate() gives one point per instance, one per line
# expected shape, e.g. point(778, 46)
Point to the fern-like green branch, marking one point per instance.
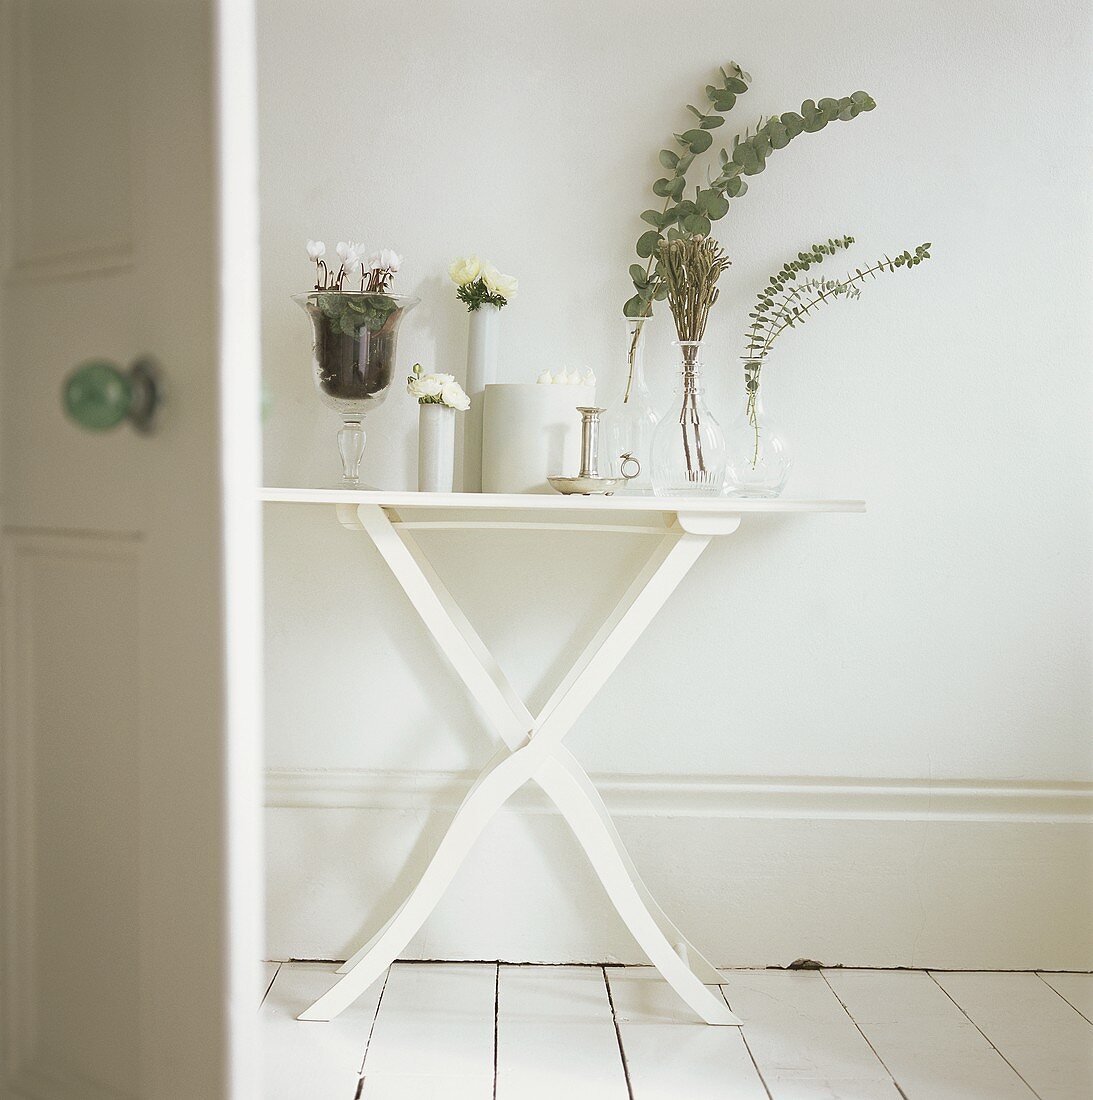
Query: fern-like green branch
point(785, 303)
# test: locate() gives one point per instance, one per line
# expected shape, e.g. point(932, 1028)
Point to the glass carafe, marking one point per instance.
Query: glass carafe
point(760, 457)
point(630, 420)
point(688, 444)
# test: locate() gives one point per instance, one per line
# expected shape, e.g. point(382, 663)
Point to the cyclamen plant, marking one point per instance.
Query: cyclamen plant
point(376, 270)
point(436, 389)
point(480, 283)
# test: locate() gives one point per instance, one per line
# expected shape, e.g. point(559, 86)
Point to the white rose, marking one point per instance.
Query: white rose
point(452, 395)
point(443, 378)
point(465, 271)
point(316, 250)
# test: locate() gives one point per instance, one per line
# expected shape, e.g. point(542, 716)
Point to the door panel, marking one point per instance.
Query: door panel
point(73, 783)
point(131, 860)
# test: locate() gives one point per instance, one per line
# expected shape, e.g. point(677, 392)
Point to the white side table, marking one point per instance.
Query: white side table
point(532, 746)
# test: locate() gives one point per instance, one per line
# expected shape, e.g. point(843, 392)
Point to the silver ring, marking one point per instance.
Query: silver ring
point(624, 459)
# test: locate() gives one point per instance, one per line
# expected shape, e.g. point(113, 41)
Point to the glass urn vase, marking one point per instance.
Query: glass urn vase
point(353, 359)
point(760, 457)
point(688, 451)
point(630, 420)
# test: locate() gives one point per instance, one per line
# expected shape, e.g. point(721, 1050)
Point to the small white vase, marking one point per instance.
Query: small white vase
point(481, 372)
point(435, 448)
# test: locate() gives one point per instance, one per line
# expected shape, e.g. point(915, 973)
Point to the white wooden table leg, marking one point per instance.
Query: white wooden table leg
point(491, 791)
point(702, 968)
point(559, 774)
point(599, 845)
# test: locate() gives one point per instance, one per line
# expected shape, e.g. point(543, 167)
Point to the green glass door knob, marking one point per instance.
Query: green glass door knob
point(99, 395)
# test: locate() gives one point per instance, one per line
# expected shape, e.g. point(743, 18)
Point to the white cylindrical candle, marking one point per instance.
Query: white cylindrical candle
point(531, 432)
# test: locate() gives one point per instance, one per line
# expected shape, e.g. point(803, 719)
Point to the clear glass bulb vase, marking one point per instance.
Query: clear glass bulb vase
point(353, 359)
point(760, 457)
point(688, 445)
point(631, 420)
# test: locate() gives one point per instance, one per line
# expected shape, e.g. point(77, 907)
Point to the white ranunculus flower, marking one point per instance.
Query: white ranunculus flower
point(316, 250)
point(505, 286)
point(443, 378)
point(425, 386)
point(452, 395)
point(465, 271)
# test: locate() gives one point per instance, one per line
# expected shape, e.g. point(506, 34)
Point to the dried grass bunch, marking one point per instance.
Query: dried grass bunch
point(690, 267)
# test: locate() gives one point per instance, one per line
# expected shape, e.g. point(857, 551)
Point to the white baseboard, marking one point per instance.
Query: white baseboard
point(757, 872)
point(706, 796)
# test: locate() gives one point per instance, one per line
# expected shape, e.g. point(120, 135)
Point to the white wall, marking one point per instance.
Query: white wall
point(943, 637)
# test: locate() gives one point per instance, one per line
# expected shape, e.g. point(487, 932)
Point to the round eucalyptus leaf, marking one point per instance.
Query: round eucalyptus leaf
point(668, 158)
point(711, 122)
point(638, 276)
point(793, 123)
point(717, 206)
point(662, 187)
point(647, 243)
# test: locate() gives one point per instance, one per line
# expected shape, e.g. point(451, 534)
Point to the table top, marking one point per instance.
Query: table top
point(556, 503)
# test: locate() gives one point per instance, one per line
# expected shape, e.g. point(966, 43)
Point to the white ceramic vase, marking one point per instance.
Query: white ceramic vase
point(481, 372)
point(435, 448)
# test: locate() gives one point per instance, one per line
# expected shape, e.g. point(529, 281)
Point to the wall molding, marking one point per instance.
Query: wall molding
point(704, 796)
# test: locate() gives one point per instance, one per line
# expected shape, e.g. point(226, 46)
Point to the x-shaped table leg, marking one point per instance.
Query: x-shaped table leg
point(533, 752)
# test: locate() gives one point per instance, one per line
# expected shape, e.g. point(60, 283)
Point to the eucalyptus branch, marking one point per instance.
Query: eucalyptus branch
point(773, 298)
point(686, 217)
point(778, 308)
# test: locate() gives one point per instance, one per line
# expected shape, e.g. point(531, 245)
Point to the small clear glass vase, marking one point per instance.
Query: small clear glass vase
point(631, 420)
point(688, 449)
point(760, 457)
point(353, 359)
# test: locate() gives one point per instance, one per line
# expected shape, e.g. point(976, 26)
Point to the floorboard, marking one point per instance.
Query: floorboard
point(804, 1044)
point(1046, 1041)
point(441, 1031)
point(671, 1055)
point(556, 1035)
point(928, 1045)
point(1075, 989)
point(305, 1060)
point(434, 1033)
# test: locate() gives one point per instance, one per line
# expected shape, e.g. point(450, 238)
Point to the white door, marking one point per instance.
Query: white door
point(129, 671)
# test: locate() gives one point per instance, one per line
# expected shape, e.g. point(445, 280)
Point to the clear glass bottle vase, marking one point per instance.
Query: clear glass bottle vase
point(630, 420)
point(688, 444)
point(760, 457)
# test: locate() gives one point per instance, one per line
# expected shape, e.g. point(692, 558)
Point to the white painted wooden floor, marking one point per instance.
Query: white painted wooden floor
point(476, 1031)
